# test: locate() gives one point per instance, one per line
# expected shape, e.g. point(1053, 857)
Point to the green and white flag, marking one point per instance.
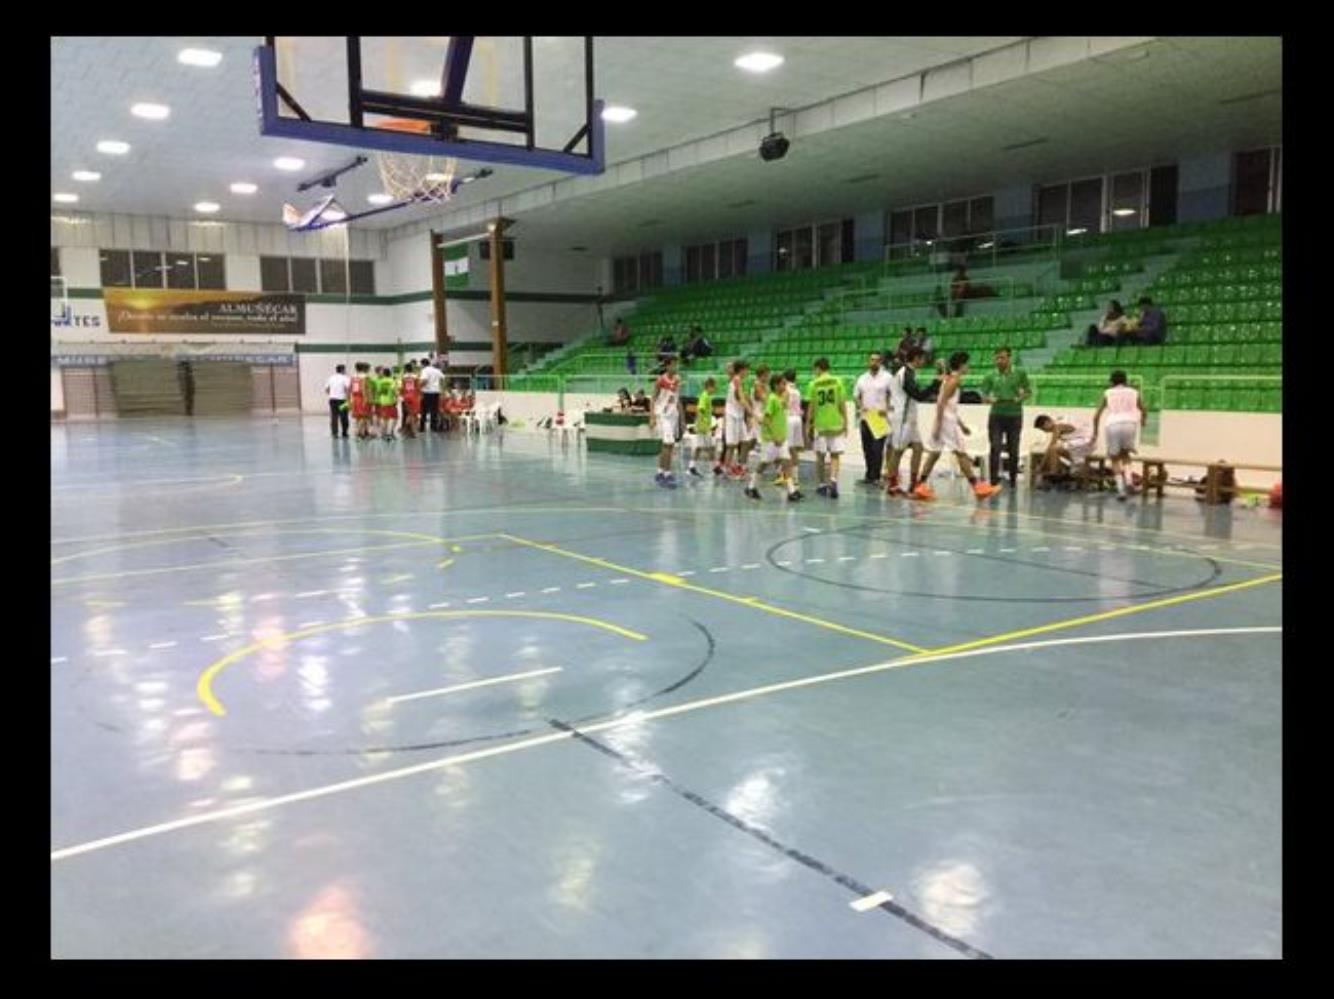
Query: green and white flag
point(456, 266)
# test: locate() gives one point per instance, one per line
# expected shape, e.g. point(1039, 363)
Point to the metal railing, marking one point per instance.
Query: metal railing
point(986, 249)
point(936, 295)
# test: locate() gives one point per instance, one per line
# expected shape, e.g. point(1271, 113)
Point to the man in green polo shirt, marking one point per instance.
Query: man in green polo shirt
point(1006, 388)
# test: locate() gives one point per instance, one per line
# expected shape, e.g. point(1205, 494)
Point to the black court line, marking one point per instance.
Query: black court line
point(792, 853)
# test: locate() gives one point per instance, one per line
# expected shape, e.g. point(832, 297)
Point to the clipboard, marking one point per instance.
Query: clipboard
point(877, 422)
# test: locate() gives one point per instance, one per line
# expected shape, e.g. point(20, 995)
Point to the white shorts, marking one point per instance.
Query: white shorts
point(829, 444)
point(734, 429)
point(769, 451)
point(950, 437)
point(1078, 447)
point(906, 433)
point(667, 428)
point(796, 432)
point(753, 431)
point(1120, 438)
point(699, 441)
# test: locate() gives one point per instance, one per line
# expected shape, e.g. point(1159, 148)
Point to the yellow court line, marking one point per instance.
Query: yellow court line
point(231, 563)
point(1074, 622)
point(679, 583)
point(204, 687)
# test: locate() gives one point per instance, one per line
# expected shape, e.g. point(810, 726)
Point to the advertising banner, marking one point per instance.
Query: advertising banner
point(146, 310)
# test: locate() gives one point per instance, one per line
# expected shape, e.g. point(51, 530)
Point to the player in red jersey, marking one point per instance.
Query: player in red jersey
point(361, 400)
point(412, 399)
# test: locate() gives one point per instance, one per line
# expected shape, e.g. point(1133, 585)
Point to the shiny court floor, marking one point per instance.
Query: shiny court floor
point(500, 698)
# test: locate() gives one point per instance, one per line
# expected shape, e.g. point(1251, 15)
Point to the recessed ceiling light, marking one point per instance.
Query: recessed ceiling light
point(113, 147)
point(617, 113)
point(289, 163)
point(379, 198)
point(199, 57)
point(759, 62)
point(244, 187)
point(86, 175)
point(208, 223)
point(1077, 231)
point(424, 88)
point(1123, 212)
point(64, 198)
point(207, 207)
point(154, 112)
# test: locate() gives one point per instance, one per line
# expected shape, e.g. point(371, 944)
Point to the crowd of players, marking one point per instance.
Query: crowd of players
point(385, 401)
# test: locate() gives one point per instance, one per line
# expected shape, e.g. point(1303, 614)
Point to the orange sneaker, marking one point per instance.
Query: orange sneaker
point(984, 490)
point(923, 492)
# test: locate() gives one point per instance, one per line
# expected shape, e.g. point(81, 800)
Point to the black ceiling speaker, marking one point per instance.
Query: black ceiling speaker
point(773, 146)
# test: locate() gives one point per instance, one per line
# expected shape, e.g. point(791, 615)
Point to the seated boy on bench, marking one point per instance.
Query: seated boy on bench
point(1067, 447)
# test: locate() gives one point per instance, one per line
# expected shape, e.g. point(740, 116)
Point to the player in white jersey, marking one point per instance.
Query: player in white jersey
point(796, 424)
point(904, 395)
point(1125, 415)
point(759, 392)
point(736, 416)
point(948, 434)
point(665, 419)
point(1070, 443)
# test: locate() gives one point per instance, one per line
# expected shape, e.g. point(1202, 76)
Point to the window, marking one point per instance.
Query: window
point(1125, 205)
point(1053, 203)
point(506, 249)
point(925, 222)
point(692, 264)
point(304, 277)
point(708, 262)
point(954, 219)
point(273, 274)
point(726, 262)
point(147, 268)
point(363, 277)
point(650, 269)
point(1162, 208)
point(55, 261)
point(1255, 182)
point(982, 214)
point(827, 244)
point(116, 271)
point(847, 241)
point(900, 233)
point(803, 249)
point(211, 270)
point(180, 270)
point(333, 277)
point(740, 255)
point(1086, 205)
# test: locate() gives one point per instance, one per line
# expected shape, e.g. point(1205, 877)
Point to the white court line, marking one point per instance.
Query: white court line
point(872, 901)
point(444, 603)
point(584, 586)
point(976, 551)
point(213, 638)
point(785, 561)
point(635, 718)
point(313, 593)
point(1073, 548)
point(1008, 550)
point(880, 555)
point(59, 659)
point(551, 589)
point(847, 558)
point(617, 582)
point(814, 560)
point(685, 572)
point(477, 600)
point(1041, 548)
point(168, 645)
point(751, 565)
point(309, 624)
point(939, 552)
point(516, 593)
point(811, 530)
point(439, 691)
point(909, 554)
point(719, 568)
point(110, 652)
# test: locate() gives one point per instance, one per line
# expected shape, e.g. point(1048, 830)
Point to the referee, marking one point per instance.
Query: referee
point(1006, 388)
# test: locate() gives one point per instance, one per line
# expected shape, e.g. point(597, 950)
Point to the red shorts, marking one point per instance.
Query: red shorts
point(388, 412)
point(361, 409)
point(414, 405)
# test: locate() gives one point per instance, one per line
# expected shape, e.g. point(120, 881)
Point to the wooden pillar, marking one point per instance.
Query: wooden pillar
point(438, 295)
point(499, 333)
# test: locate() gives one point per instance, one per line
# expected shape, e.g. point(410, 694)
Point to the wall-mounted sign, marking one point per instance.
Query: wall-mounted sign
point(64, 316)
point(145, 310)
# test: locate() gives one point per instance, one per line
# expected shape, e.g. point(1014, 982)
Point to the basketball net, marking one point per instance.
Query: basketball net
point(408, 177)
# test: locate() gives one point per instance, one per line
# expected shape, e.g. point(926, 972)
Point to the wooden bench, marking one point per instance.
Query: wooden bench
point(1093, 471)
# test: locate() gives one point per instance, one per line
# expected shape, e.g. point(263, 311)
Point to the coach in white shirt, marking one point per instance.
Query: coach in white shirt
point(431, 378)
point(336, 388)
point(871, 393)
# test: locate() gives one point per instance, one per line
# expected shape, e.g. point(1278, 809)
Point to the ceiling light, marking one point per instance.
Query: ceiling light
point(207, 223)
point(65, 199)
point(207, 207)
point(154, 112)
point(1123, 212)
point(244, 187)
point(424, 88)
point(985, 246)
point(204, 260)
point(289, 163)
point(759, 62)
point(86, 175)
point(380, 198)
point(618, 114)
point(114, 147)
point(1077, 231)
point(199, 57)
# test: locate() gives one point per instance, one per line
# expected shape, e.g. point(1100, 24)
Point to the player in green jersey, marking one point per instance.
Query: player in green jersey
point(773, 440)
point(826, 425)
point(703, 427)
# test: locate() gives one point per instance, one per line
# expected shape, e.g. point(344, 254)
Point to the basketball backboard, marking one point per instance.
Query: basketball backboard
point(506, 99)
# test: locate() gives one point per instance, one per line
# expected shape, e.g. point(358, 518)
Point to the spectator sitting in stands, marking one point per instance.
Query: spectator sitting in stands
point(1152, 326)
point(620, 334)
point(1114, 324)
point(641, 402)
point(959, 290)
point(696, 346)
point(623, 400)
point(923, 339)
point(666, 348)
point(631, 362)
